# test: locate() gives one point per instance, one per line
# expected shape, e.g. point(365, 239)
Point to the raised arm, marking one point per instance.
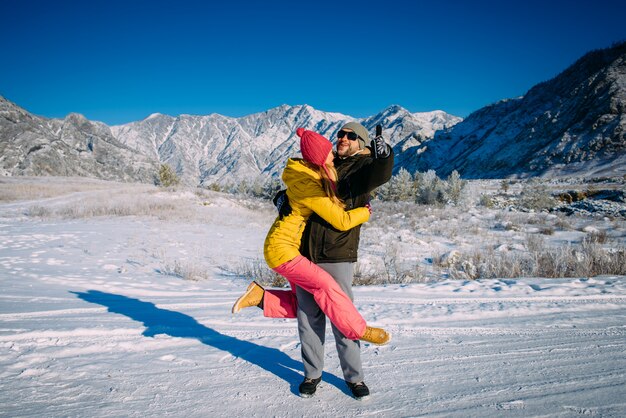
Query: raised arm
point(375, 171)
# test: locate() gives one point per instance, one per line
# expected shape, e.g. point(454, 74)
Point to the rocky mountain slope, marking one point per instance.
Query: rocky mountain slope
point(74, 146)
point(203, 150)
point(218, 149)
point(573, 124)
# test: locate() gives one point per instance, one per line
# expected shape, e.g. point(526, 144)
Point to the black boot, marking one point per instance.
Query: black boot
point(308, 387)
point(359, 390)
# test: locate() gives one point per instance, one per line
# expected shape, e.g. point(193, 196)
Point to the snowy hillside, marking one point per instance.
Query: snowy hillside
point(218, 149)
point(73, 146)
point(203, 150)
point(572, 125)
point(97, 320)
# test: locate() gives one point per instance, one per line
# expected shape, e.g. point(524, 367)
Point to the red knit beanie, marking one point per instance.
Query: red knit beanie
point(314, 147)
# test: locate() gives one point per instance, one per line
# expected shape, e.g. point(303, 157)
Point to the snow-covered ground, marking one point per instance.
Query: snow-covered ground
point(95, 322)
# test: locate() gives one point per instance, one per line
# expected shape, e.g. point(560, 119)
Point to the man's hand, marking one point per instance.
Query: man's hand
point(380, 147)
point(281, 201)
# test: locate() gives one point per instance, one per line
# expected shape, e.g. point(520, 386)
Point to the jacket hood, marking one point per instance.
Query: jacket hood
point(301, 180)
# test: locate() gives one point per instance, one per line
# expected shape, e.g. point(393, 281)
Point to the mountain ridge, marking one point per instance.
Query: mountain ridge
point(571, 125)
point(73, 146)
point(233, 149)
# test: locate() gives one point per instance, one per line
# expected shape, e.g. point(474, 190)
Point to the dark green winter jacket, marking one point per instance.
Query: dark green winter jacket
point(358, 176)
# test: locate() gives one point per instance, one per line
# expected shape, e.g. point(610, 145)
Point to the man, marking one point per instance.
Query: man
point(360, 170)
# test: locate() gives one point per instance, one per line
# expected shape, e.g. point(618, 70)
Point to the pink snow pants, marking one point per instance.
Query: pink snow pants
point(330, 298)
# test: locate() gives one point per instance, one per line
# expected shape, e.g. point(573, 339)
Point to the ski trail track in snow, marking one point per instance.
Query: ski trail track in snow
point(90, 326)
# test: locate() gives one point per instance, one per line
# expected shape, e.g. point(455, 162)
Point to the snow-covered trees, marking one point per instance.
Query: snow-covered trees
point(424, 188)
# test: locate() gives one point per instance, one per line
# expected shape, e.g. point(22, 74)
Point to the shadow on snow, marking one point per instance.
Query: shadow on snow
point(176, 324)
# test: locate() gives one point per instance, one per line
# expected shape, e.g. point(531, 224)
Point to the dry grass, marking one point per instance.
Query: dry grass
point(492, 243)
point(588, 259)
point(395, 273)
point(81, 198)
point(535, 244)
point(124, 202)
point(32, 188)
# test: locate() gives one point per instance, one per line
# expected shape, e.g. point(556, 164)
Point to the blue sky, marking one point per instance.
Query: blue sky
point(120, 61)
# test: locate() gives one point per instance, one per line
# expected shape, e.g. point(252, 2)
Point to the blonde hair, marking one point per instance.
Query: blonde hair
point(329, 185)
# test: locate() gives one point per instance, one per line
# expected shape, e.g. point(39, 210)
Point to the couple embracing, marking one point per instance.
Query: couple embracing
point(313, 244)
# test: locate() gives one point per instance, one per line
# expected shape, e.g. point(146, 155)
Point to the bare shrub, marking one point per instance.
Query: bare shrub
point(538, 218)
point(390, 259)
point(186, 269)
point(258, 270)
point(504, 186)
point(502, 266)
point(415, 275)
point(510, 226)
point(38, 211)
point(364, 279)
point(464, 270)
point(588, 259)
point(598, 237)
point(534, 243)
point(486, 201)
point(456, 265)
point(535, 196)
point(395, 270)
point(410, 274)
point(562, 223)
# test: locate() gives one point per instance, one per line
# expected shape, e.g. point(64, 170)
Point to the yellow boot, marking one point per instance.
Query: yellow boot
point(252, 297)
point(376, 336)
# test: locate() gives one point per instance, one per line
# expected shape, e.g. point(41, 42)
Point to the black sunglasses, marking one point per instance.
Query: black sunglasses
point(352, 136)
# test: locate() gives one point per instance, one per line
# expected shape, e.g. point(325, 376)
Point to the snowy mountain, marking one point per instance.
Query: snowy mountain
point(202, 149)
point(74, 146)
point(571, 125)
point(218, 149)
point(574, 124)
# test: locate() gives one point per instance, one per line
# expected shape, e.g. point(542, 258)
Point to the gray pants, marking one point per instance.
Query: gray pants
point(312, 330)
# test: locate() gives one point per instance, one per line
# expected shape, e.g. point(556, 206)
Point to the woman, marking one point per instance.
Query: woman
point(310, 188)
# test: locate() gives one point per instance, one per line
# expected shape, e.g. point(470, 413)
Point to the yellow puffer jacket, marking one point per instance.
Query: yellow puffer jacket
point(306, 195)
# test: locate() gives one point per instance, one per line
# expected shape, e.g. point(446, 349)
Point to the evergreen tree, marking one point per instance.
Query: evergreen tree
point(430, 189)
point(455, 187)
point(404, 186)
point(167, 176)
